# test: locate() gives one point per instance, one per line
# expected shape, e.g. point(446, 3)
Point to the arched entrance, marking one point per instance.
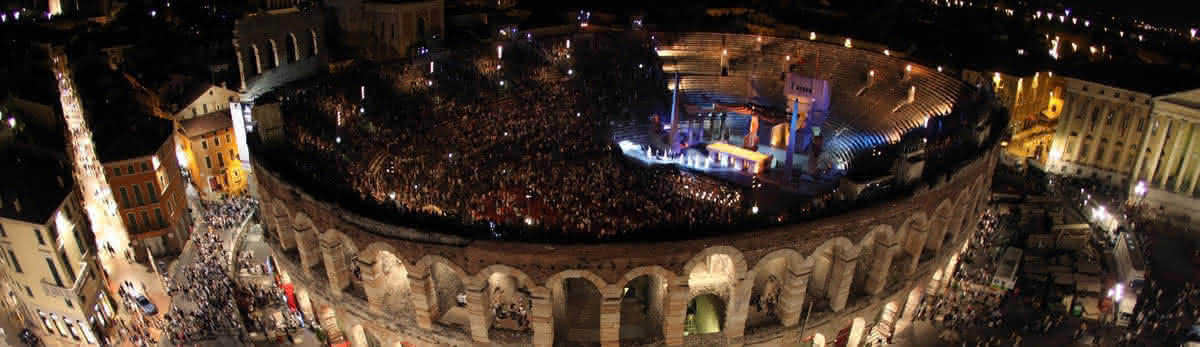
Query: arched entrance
point(642, 307)
point(450, 307)
point(392, 284)
point(508, 308)
point(705, 315)
point(766, 293)
point(577, 312)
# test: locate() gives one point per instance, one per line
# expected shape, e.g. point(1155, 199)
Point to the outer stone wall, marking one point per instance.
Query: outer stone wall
point(836, 269)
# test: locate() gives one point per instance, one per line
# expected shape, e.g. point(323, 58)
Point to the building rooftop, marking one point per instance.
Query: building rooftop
point(206, 123)
point(33, 183)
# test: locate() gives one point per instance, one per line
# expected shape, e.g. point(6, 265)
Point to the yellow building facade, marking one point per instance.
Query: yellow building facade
point(209, 146)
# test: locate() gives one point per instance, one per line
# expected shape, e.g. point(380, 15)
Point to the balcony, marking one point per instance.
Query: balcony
point(72, 292)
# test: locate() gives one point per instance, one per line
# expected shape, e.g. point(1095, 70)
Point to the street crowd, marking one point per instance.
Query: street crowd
point(227, 212)
point(138, 329)
point(205, 283)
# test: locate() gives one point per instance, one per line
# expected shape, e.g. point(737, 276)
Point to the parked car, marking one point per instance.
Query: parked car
point(148, 307)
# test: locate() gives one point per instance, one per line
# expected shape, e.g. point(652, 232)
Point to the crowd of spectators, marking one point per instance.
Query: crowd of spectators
point(516, 142)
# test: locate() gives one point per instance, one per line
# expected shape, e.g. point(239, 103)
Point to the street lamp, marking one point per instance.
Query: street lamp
point(1140, 189)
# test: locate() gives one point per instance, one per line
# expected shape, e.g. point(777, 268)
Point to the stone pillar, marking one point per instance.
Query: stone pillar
point(335, 265)
point(914, 247)
point(877, 275)
point(1156, 151)
point(1142, 149)
point(542, 317)
point(477, 312)
point(371, 284)
point(735, 312)
point(1185, 152)
point(423, 301)
point(610, 317)
point(1083, 120)
point(791, 301)
point(840, 276)
point(1177, 131)
point(310, 250)
point(678, 294)
point(1191, 189)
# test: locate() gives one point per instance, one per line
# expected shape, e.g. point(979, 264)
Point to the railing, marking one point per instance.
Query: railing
point(73, 291)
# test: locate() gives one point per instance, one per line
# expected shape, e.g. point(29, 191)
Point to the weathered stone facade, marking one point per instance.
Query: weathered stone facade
point(832, 274)
point(278, 46)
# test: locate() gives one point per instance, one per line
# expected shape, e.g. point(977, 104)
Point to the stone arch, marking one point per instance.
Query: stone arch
point(440, 283)
point(962, 204)
point(283, 231)
point(706, 314)
point(874, 257)
point(339, 254)
point(717, 269)
point(774, 291)
point(307, 242)
point(738, 261)
point(274, 53)
point(315, 45)
point(258, 69)
point(576, 297)
point(506, 301)
point(940, 224)
point(833, 271)
point(293, 47)
point(644, 293)
point(912, 234)
point(385, 279)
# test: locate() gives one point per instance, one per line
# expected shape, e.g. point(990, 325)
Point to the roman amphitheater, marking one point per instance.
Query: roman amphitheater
point(847, 279)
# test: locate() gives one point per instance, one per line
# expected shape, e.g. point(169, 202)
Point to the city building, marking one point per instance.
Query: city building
point(201, 99)
point(1168, 157)
point(51, 276)
point(277, 46)
point(1034, 101)
point(388, 29)
point(210, 151)
point(134, 142)
point(1099, 132)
